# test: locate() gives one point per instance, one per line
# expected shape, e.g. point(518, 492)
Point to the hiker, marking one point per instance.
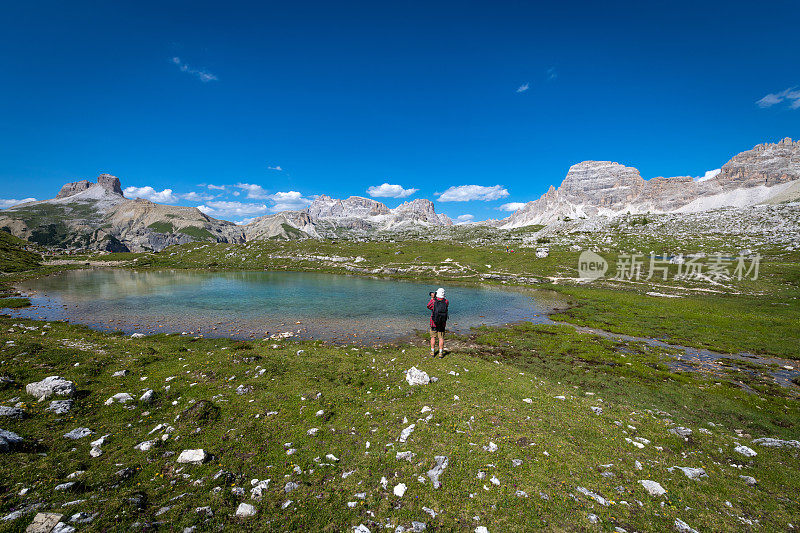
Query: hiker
point(438, 306)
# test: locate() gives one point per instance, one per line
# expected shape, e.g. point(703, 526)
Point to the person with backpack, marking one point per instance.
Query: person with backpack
point(438, 306)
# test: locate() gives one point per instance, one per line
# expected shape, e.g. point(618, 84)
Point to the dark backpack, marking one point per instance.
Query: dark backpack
point(440, 311)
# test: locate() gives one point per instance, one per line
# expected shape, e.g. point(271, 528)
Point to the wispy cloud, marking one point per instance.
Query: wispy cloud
point(5, 204)
point(512, 206)
point(200, 74)
point(276, 167)
point(387, 190)
point(148, 193)
point(233, 210)
point(196, 197)
point(216, 187)
point(464, 219)
point(552, 74)
point(254, 192)
point(524, 87)
point(791, 96)
point(708, 175)
point(466, 193)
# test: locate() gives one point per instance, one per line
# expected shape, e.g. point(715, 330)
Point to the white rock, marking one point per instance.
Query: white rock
point(400, 489)
point(749, 480)
point(121, 397)
point(691, 473)
point(597, 410)
point(245, 510)
point(481, 529)
point(593, 495)
point(492, 447)
point(312, 431)
point(147, 397)
point(414, 376)
point(119, 374)
point(437, 470)
point(49, 386)
point(652, 487)
point(95, 452)
point(683, 527)
point(361, 528)
point(406, 433)
point(777, 443)
point(60, 407)
point(78, 433)
point(137, 336)
point(744, 450)
point(194, 457)
point(405, 455)
point(425, 409)
point(145, 446)
point(527, 400)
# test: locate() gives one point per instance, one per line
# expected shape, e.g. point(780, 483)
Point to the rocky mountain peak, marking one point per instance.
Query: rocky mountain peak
point(110, 183)
point(104, 181)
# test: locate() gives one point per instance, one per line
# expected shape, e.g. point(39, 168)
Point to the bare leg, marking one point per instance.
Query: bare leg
point(441, 344)
point(433, 342)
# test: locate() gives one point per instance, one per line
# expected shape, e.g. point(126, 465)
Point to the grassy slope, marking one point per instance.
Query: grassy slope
point(14, 257)
point(640, 399)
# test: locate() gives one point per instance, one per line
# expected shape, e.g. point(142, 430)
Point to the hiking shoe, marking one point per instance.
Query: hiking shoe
point(441, 354)
point(433, 354)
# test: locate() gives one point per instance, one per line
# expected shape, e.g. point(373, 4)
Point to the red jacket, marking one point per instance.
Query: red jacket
point(430, 306)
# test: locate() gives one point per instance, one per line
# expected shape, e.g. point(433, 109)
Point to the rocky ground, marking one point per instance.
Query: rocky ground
point(515, 430)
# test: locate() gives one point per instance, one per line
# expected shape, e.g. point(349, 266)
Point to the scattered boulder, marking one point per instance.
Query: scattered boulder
point(683, 527)
point(49, 386)
point(406, 433)
point(194, 457)
point(652, 487)
point(691, 473)
point(593, 495)
point(147, 397)
point(12, 412)
point(78, 433)
point(437, 470)
point(681, 431)
point(121, 397)
point(414, 376)
point(744, 450)
point(749, 480)
point(400, 489)
point(9, 440)
point(60, 407)
point(245, 510)
point(777, 443)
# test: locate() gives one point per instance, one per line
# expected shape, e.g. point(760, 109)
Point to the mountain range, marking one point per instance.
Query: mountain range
point(96, 215)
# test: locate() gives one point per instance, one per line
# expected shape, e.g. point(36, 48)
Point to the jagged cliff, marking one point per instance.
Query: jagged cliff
point(764, 174)
point(97, 216)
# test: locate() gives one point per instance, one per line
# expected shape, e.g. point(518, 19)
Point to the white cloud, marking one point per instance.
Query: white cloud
point(465, 193)
point(148, 193)
point(233, 210)
point(463, 219)
point(200, 74)
point(255, 192)
point(5, 204)
point(196, 197)
point(216, 187)
point(524, 87)
point(708, 175)
point(512, 206)
point(791, 96)
point(551, 74)
point(288, 201)
point(387, 190)
point(276, 167)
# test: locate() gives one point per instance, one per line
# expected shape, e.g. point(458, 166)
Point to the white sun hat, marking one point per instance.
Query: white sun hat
point(440, 292)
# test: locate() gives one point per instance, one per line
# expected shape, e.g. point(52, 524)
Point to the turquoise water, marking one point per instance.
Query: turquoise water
point(258, 304)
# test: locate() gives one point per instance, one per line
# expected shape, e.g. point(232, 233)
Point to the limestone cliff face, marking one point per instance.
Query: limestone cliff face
point(325, 207)
point(606, 188)
point(288, 225)
point(96, 216)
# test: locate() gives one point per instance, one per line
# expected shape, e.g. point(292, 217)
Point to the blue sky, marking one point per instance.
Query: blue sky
point(278, 102)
